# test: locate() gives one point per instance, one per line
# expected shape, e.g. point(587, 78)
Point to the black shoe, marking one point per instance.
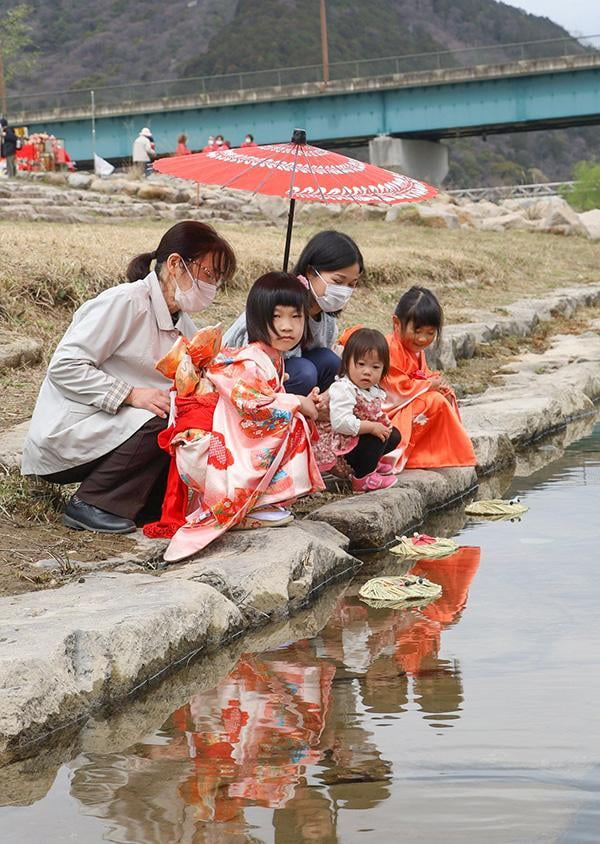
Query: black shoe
point(82, 516)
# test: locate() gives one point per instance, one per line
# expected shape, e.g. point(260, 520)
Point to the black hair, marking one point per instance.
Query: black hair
point(365, 340)
point(267, 292)
point(192, 240)
point(420, 307)
point(248, 135)
point(329, 250)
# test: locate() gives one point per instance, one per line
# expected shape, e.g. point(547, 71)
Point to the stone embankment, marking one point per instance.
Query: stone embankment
point(82, 197)
point(65, 652)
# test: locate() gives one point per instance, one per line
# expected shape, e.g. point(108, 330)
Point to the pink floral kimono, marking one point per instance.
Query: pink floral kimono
point(259, 452)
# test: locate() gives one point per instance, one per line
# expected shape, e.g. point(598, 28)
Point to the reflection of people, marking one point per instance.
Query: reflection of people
point(251, 738)
point(143, 153)
point(332, 263)
point(420, 403)
point(309, 817)
point(102, 402)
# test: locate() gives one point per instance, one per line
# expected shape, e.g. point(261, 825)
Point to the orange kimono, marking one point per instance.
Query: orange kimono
point(428, 418)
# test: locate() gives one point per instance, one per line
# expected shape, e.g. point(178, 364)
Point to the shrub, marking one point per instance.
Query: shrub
point(585, 194)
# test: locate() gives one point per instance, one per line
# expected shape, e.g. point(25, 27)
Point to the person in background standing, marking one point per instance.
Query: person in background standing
point(249, 141)
point(210, 146)
point(182, 148)
point(9, 150)
point(143, 151)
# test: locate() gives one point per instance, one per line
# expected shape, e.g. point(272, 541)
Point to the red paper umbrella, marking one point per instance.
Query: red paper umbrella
point(297, 171)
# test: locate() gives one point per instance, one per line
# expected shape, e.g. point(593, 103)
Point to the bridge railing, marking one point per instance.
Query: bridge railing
point(173, 89)
point(494, 194)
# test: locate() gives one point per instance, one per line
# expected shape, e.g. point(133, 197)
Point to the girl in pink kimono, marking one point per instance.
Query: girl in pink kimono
point(259, 455)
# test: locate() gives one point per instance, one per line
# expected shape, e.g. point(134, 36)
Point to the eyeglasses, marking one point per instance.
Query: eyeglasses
point(210, 275)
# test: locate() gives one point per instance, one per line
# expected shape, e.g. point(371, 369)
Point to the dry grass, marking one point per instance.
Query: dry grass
point(47, 270)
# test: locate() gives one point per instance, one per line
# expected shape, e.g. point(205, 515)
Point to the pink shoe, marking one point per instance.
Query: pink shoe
point(384, 469)
point(372, 482)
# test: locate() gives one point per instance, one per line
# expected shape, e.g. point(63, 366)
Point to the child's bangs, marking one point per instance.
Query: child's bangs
point(289, 297)
point(425, 313)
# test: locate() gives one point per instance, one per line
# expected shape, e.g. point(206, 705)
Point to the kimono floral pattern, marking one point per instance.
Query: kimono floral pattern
point(267, 460)
point(219, 455)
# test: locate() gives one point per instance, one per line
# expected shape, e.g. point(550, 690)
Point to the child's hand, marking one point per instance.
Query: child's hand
point(322, 403)
point(438, 382)
point(381, 430)
point(308, 408)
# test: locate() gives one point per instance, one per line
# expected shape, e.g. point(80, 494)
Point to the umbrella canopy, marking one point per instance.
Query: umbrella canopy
point(297, 171)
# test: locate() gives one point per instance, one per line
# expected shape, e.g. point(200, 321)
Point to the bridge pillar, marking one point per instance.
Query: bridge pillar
point(427, 160)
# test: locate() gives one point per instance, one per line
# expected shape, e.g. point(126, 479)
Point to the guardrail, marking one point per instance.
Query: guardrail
point(511, 191)
point(280, 77)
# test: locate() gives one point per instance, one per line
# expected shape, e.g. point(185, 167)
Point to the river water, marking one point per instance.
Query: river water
point(474, 719)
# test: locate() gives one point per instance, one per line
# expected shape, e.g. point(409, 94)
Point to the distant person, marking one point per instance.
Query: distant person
point(182, 148)
point(221, 143)
point(249, 141)
point(144, 152)
point(9, 150)
point(210, 146)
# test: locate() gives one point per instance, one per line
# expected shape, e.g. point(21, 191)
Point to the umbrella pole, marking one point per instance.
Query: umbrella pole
point(288, 235)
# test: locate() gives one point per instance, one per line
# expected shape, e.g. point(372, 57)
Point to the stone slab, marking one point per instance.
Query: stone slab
point(17, 351)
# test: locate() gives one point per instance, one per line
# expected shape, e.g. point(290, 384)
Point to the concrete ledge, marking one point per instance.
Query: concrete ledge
point(460, 341)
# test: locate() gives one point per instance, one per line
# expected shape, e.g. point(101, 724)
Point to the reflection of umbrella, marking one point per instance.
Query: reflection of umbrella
point(297, 171)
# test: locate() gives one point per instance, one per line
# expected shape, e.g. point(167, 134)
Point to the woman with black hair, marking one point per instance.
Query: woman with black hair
point(103, 403)
point(332, 264)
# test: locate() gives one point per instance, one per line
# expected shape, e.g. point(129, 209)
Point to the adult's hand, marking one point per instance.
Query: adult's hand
point(150, 398)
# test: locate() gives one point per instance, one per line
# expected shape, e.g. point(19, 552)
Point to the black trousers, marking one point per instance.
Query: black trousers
point(365, 456)
point(128, 481)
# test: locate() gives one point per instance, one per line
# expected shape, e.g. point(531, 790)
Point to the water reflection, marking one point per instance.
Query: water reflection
point(285, 730)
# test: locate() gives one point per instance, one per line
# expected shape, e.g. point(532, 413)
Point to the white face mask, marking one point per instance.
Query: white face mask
point(199, 297)
point(336, 296)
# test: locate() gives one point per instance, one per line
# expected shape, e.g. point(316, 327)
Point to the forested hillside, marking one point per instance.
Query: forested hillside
point(82, 44)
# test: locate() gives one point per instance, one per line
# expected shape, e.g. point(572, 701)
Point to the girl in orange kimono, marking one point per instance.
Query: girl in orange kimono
point(420, 404)
point(258, 455)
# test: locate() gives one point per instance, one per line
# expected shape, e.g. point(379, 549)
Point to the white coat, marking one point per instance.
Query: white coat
point(111, 346)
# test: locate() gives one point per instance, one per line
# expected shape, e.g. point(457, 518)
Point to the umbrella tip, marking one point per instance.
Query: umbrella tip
point(299, 136)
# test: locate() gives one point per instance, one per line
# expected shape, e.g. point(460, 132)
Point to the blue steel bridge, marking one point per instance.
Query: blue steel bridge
point(428, 96)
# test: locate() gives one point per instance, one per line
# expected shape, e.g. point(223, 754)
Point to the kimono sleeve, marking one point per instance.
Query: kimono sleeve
point(262, 408)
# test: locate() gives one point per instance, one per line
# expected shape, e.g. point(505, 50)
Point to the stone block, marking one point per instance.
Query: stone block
point(16, 351)
point(590, 220)
point(11, 445)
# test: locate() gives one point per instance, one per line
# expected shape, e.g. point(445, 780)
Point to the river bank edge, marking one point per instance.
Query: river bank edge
point(64, 653)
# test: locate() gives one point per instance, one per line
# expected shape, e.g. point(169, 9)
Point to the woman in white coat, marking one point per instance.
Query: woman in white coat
point(102, 403)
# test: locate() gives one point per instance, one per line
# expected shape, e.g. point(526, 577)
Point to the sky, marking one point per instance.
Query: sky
point(580, 17)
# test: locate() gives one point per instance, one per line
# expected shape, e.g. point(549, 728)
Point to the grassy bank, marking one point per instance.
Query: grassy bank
point(47, 270)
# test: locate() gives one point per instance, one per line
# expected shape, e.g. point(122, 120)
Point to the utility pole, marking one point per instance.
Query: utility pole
point(93, 106)
point(324, 45)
